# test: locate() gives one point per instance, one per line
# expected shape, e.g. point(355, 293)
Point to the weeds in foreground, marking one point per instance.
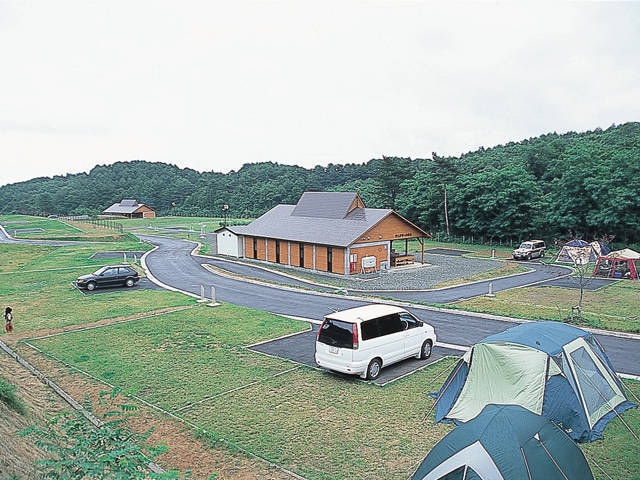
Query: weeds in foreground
point(9, 398)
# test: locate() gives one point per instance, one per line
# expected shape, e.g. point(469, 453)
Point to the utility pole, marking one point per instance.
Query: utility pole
point(446, 210)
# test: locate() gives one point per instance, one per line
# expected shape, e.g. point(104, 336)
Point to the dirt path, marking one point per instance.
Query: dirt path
point(18, 455)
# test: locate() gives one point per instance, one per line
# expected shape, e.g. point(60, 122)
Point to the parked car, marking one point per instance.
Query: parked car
point(109, 276)
point(530, 249)
point(362, 340)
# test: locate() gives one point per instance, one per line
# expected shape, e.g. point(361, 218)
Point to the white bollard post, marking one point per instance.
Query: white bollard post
point(213, 297)
point(493, 253)
point(202, 299)
point(490, 294)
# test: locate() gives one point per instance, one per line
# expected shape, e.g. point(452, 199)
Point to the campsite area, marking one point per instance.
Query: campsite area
point(224, 409)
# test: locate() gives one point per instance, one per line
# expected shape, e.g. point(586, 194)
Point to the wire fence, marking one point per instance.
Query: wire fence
point(99, 222)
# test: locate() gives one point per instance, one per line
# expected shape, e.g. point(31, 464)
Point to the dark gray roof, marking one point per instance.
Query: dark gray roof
point(324, 204)
point(281, 223)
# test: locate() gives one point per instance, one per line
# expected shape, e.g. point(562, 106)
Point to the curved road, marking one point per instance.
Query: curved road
point(173, 265)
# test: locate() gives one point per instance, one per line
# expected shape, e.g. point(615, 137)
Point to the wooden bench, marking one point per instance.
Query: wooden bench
point(402, 260)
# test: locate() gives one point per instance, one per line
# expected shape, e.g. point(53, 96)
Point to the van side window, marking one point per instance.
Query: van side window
point(336, 333)
point(369, 329)
point(381, 326)
point(390, 324)
point(411, 321)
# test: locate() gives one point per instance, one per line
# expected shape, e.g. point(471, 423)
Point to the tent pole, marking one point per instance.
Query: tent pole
point(635, 397)
point(606, 400)
point(552, 459)
point(599, 467)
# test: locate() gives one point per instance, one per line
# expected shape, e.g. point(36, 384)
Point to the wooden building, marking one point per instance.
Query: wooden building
point(129, 209)
point(325, 231)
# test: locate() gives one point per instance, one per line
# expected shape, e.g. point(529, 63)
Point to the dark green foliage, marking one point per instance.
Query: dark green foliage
point(79, 450)
point(8, 397)
point(584, 183)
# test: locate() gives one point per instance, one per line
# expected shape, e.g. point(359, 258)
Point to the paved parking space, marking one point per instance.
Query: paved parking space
point(300, 348)
point(574, 282)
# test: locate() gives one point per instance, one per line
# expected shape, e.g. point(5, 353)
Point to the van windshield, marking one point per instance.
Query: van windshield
point(336, 333)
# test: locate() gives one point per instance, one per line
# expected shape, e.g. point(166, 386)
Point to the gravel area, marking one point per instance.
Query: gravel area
point(436, 269)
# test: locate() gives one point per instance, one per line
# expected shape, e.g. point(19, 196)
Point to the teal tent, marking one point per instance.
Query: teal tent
point(550, 368)
point(505, 442)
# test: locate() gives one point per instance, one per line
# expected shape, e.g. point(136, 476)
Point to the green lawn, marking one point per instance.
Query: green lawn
point(192, 360)
point(193, 363)
point(315, 423)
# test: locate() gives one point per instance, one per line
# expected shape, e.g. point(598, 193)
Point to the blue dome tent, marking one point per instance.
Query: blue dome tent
point(549, 368)
point(505, 442)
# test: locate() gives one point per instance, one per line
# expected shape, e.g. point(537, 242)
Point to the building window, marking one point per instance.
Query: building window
point(255, 247)
point(277, 251)
point(301, 254)
point(329, 259)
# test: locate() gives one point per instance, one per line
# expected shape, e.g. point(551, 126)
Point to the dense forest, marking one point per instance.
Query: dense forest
point(581, 185)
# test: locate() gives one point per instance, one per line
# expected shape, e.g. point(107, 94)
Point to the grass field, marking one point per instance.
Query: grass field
point(191, 360)
point(614, 307)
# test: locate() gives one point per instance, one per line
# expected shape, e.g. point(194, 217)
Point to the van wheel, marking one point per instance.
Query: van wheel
point(373, 370)
point(425, 351)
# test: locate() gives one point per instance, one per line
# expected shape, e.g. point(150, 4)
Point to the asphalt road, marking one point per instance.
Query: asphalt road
point(173, 265)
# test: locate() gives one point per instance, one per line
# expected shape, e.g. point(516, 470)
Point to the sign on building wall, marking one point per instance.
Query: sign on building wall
point(369, 262)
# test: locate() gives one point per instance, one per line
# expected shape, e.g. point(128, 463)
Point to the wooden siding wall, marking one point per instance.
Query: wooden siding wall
point(378, 251)
point(248, 247)
point(308, 256)
point(262, 249)
point(290, 254)
point(295, 254)
point(338, 260)
point(391, 228)
point(321, 258)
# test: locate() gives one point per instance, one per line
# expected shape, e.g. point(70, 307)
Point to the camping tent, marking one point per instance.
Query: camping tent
point(576, 250)
point(599, 248)
point(505, 442)
point(549, 368)
point(619, 264)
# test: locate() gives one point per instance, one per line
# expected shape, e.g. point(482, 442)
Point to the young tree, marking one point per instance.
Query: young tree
point(80, 450)
point(580, 258)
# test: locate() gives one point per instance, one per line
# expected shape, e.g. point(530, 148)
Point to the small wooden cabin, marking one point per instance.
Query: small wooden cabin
point(129, 209)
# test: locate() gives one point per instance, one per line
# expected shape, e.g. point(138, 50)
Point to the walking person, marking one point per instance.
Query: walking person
point(8, 318)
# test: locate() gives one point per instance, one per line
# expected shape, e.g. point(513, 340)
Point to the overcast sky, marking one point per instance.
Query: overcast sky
point(212, 85)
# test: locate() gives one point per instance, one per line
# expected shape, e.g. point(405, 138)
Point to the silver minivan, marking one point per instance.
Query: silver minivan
point(361, 340)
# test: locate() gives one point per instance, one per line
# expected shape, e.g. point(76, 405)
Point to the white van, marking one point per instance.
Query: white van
point(362, 340)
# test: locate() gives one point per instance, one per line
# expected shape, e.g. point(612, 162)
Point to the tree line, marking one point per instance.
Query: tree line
point(582, 185)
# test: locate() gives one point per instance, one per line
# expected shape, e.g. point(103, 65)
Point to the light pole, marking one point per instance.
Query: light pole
point(225, 210)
